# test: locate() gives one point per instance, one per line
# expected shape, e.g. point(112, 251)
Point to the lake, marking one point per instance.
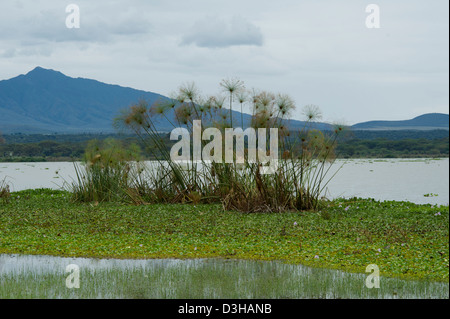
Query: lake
point(421, 181)
point(49, 277)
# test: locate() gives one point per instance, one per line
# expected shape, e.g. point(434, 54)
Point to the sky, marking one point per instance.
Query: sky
point(327, 53)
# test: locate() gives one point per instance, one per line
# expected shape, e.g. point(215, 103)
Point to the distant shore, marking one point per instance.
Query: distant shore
point(356, 144)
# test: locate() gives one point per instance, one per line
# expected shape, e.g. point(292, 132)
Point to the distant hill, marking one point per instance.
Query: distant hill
point(423, 122)
point(46, 101)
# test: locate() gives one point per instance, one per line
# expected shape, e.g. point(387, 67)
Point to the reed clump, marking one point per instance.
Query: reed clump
point(305, 154)
point(5, 192)
point(109, 172)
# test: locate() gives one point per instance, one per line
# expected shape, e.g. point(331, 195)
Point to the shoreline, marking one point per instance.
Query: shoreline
point(69, 160)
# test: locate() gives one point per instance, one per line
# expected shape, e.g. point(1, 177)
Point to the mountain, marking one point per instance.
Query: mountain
point(422, 122)
point(47, 101)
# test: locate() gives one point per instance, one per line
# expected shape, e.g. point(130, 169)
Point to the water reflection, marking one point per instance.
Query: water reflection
point(25, 276)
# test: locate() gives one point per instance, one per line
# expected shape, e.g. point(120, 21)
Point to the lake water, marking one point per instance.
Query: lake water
point(46, 277)
point(422, 181)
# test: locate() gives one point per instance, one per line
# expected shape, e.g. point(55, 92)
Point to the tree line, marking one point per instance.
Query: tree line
point(384, 148)
point(356, 144)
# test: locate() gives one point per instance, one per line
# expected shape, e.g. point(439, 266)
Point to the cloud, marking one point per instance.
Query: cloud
point(212, 32)
point(320, 52)
point(8, 53)
point(48, 24)
point(33, 51)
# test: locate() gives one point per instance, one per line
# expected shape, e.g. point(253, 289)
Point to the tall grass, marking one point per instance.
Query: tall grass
point(301, 176)
point(299, 181)
point(108, 173)
point(5, 193)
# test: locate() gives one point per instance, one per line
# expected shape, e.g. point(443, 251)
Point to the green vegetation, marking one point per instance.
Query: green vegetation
point(240, 181)
point(41, 151)
point(58, 147)
point(105, 175)
point(405, 240)
point(4, 191)
point(359, 144)
point(384, 148)
point(222, 209)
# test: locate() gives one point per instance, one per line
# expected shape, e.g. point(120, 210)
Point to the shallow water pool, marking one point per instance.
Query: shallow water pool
point(28, 276)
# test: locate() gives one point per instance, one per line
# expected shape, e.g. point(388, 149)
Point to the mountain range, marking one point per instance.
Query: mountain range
point(47, 101)
point(428, 121)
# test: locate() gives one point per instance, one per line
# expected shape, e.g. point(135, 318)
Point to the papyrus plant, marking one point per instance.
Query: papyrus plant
point(306, 154)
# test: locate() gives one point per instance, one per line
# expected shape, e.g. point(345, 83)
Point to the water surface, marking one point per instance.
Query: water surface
point(26, 276)
point(421, 181)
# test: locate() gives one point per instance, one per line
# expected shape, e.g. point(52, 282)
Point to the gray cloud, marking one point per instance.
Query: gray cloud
point(213, 32)
point(320, 52)
point(97, 24)
point(33, 51)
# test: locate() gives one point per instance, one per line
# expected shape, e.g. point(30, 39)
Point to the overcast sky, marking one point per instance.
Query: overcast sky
point(319, 52)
